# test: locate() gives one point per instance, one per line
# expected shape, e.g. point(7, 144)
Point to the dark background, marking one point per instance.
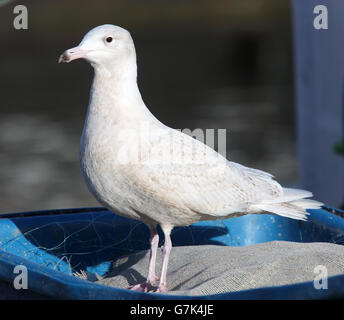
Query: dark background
point(201, 64)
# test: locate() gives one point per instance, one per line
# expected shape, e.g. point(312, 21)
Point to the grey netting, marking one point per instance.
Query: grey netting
point(204, 270)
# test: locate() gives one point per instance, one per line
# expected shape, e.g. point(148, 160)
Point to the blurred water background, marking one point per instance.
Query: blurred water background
point(202, 64)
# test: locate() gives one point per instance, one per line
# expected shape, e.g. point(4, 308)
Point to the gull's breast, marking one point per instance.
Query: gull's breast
point(103, 176)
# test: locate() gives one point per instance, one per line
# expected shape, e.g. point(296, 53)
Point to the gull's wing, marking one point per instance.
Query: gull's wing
point(184, 172)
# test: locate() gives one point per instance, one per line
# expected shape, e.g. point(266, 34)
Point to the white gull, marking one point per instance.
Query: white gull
point(139, 168)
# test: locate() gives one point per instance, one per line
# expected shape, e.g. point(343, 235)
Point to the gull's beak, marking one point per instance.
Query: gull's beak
point(72, 54)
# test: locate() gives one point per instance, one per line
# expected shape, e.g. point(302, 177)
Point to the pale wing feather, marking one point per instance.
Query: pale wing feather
point(197, 176)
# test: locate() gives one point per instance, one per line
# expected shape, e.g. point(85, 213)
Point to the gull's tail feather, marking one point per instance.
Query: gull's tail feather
point(292, 204)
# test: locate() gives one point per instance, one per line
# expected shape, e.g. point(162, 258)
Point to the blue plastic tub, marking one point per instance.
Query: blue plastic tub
point(54, 244)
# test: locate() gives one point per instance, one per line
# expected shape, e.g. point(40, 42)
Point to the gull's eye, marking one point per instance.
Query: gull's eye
point(108, 39)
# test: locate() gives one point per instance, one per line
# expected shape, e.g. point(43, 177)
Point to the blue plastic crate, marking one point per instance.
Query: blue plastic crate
point(54, 244)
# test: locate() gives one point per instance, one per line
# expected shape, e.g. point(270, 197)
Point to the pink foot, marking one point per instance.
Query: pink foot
point(145, 286)
point(142, 287)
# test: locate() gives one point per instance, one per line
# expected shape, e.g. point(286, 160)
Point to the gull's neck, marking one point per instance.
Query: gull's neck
point(115, 98)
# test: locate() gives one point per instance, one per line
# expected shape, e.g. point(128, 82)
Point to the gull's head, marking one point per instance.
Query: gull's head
point(105, 46)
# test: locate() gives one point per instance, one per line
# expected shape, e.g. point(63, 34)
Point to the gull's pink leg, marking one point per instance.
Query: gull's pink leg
point(166, 253)
point(153, 251)
point(154, 242)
